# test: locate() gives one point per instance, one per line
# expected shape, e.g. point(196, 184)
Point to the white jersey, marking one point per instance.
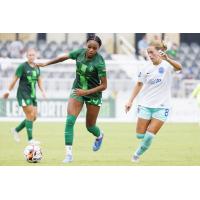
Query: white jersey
point(156, 90)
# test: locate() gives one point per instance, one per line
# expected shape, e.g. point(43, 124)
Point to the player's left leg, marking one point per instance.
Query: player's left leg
point(75, 105)
point(91, 117)
point(35, 109)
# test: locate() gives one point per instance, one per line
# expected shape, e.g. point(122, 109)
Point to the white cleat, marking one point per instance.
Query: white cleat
point(135, 159)
point(15, 135)
point(34, 142)
point(68, 159)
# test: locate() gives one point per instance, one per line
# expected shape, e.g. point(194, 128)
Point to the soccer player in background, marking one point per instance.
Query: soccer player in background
point(154, 90)
point(87, 88)
point(28, 74)
point(196, 94)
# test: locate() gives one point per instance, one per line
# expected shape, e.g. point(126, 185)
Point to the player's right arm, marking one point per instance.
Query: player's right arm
point(72, 55)
point(53, 61)
point(18, 74)
point(135, 92)
point(11, 86)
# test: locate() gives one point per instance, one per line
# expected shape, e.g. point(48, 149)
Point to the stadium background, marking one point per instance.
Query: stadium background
point(122, 59)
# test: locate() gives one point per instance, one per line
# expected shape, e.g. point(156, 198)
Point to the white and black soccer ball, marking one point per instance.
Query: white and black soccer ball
point(33, 153)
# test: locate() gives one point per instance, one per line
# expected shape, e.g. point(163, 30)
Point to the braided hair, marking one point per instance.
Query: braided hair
point(95, 38)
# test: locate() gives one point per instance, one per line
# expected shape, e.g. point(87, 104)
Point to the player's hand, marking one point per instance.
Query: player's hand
point(128, 106)
point(44, 95)
point(164, 56)
point(6, 95)
point(80, 92)
point(40, 64)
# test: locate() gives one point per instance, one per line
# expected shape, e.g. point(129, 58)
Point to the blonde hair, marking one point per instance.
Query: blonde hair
point(159, 45)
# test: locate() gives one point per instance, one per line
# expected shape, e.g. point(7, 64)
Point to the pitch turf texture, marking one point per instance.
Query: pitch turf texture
point(175, 145)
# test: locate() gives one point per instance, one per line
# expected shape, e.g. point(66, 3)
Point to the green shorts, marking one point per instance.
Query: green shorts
point(156, 113)
point(87, 100)
point(27, 102)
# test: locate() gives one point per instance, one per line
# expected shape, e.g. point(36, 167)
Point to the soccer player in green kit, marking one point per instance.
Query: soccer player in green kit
point(87, 88)
point(28, 74)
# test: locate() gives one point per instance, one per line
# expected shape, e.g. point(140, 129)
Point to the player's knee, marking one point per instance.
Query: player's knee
point(90, 127)
point(31, 116)
point(35, 117)
point(90, 123)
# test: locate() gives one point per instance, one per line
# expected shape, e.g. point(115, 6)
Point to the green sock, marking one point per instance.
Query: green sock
point(94, 130)
point(29, 129)
point(20, 126)
point(140, 135)
point(145, 144)
point(69, 129)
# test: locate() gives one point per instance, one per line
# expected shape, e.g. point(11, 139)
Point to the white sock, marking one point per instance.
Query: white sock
point(68, 149)
point(100, 136)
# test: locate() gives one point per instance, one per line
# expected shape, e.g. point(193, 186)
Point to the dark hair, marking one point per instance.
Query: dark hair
point(95, 38)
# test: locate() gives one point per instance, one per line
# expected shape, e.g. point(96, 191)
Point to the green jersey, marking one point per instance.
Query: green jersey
point(28, 77)
point(88, 71)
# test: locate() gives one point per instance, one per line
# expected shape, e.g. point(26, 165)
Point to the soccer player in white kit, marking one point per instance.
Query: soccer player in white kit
point(154, 91)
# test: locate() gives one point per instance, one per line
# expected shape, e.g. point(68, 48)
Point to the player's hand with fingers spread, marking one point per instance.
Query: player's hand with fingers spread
point(80, 92)
point(128, 106)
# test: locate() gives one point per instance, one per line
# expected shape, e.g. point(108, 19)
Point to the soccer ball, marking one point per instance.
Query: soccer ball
point(33, 153)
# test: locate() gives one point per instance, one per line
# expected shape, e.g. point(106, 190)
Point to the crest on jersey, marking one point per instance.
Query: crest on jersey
point(90, 68)
point(161, 70)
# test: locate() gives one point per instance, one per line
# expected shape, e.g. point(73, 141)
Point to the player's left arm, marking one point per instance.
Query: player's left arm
point(101, 87)
point(40, 85)
point(177, 66)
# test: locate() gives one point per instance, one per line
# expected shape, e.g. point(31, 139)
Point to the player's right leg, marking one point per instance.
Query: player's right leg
point(91, 118)
point(144, 117)
point(30, 113)
point(73, 109)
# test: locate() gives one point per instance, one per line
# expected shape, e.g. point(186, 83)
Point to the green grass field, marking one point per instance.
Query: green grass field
point(175, 145)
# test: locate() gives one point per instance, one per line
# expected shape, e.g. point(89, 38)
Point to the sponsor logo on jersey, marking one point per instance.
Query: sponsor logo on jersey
point(140, 74)
point(161, 70)
point(154, 81)
point(90, 68)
